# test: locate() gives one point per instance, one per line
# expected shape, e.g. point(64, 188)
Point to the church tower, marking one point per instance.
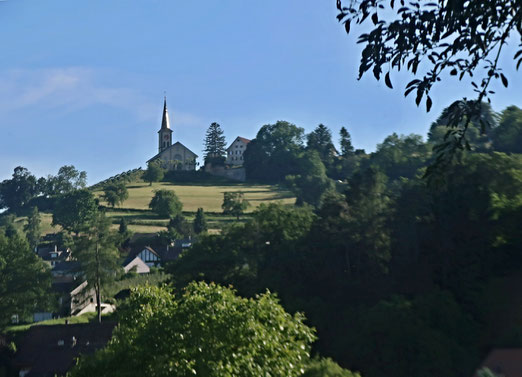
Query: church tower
point(165, 133)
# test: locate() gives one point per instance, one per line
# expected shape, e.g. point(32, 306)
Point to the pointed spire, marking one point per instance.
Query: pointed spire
point(165, 122)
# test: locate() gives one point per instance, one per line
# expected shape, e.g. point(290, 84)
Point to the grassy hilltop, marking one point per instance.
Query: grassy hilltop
point(193, 196)
point(206, 194)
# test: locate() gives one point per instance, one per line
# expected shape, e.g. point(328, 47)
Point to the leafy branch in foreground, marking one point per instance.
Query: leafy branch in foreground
point(460, 37)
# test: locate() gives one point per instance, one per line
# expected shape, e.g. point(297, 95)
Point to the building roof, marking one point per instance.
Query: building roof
point(166, 149)
point(141, 266)
point(504, 361)
point(243, 139)
point(164, 253)
point(50, 350)
point(165, 122)
point(46, 253)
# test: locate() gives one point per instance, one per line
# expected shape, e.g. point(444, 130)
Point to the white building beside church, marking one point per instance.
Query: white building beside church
point(236, 150)
point(172, 156)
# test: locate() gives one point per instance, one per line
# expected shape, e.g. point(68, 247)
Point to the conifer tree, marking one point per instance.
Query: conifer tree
point(32, 228)
point(200, 222)
point(98, 256)
point(123, 226)
point(346, 143)
point(215, 144)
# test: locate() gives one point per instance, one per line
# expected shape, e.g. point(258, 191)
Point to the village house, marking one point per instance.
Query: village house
point(53, 256)
point(235, 151)
point(143, 258)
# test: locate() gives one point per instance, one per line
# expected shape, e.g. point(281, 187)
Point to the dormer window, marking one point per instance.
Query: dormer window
point(54, 255)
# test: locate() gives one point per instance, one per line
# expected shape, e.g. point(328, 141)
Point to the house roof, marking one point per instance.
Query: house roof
point(504, 361)
point(42, 351)
point(164, 253)
point(135, 252)
point(243, 139)
point(138, 263)
point(166, 149)
point(46, 253)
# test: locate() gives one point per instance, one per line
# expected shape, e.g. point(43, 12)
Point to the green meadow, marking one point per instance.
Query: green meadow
point(193, 196)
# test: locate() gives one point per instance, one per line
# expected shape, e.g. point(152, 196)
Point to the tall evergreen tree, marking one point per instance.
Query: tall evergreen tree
point(215, 144)
point(200, 222)
point(96, 251)
point(124, 226)
point(320, 140)
point(32, 228)
point(346, 143)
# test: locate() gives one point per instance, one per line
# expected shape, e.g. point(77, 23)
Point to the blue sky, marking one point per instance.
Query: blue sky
point(82, 82)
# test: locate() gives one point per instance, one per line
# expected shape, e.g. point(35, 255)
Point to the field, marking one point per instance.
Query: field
point(207, 197)
point(141, 220)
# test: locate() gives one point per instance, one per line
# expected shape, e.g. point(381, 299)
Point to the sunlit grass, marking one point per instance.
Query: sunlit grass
point(207, 197)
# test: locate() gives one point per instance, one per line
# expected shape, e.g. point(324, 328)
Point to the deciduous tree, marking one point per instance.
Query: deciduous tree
point(16, 192)
point(274, 153)
point(205, 330)
point(25, 280)
point(75, 211)
point(115, 193)
point(154, 172)
point(165, 203)
point(234, 203)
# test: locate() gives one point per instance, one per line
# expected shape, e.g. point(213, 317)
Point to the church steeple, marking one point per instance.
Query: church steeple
point(165, 122)
point(165, 133)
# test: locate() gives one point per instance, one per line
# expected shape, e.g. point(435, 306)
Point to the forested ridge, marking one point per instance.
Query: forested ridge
point(397, 272)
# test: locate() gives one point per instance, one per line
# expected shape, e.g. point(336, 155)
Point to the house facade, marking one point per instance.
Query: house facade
point(235, 151)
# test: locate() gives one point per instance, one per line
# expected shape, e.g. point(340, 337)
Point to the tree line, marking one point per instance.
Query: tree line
point(394, 270)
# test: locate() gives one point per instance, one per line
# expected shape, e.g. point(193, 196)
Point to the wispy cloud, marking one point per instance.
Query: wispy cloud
point(70, 89)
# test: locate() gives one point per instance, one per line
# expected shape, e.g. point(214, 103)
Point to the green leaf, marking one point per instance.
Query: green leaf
point(428, 104)
point(388, 81)
point(504, 80)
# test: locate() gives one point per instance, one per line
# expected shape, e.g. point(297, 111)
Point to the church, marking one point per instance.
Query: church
point(172, 156)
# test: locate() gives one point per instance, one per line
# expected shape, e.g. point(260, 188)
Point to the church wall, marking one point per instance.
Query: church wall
point(178, 153)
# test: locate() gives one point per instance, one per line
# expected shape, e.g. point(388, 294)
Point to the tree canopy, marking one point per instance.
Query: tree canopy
point(204, 330)
point(115, 193)
point(234, 203)
point(166, 203)
point(25, 280)
point(75, 211)
point(154, 172)
point(16, 192)
point(273, 154)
